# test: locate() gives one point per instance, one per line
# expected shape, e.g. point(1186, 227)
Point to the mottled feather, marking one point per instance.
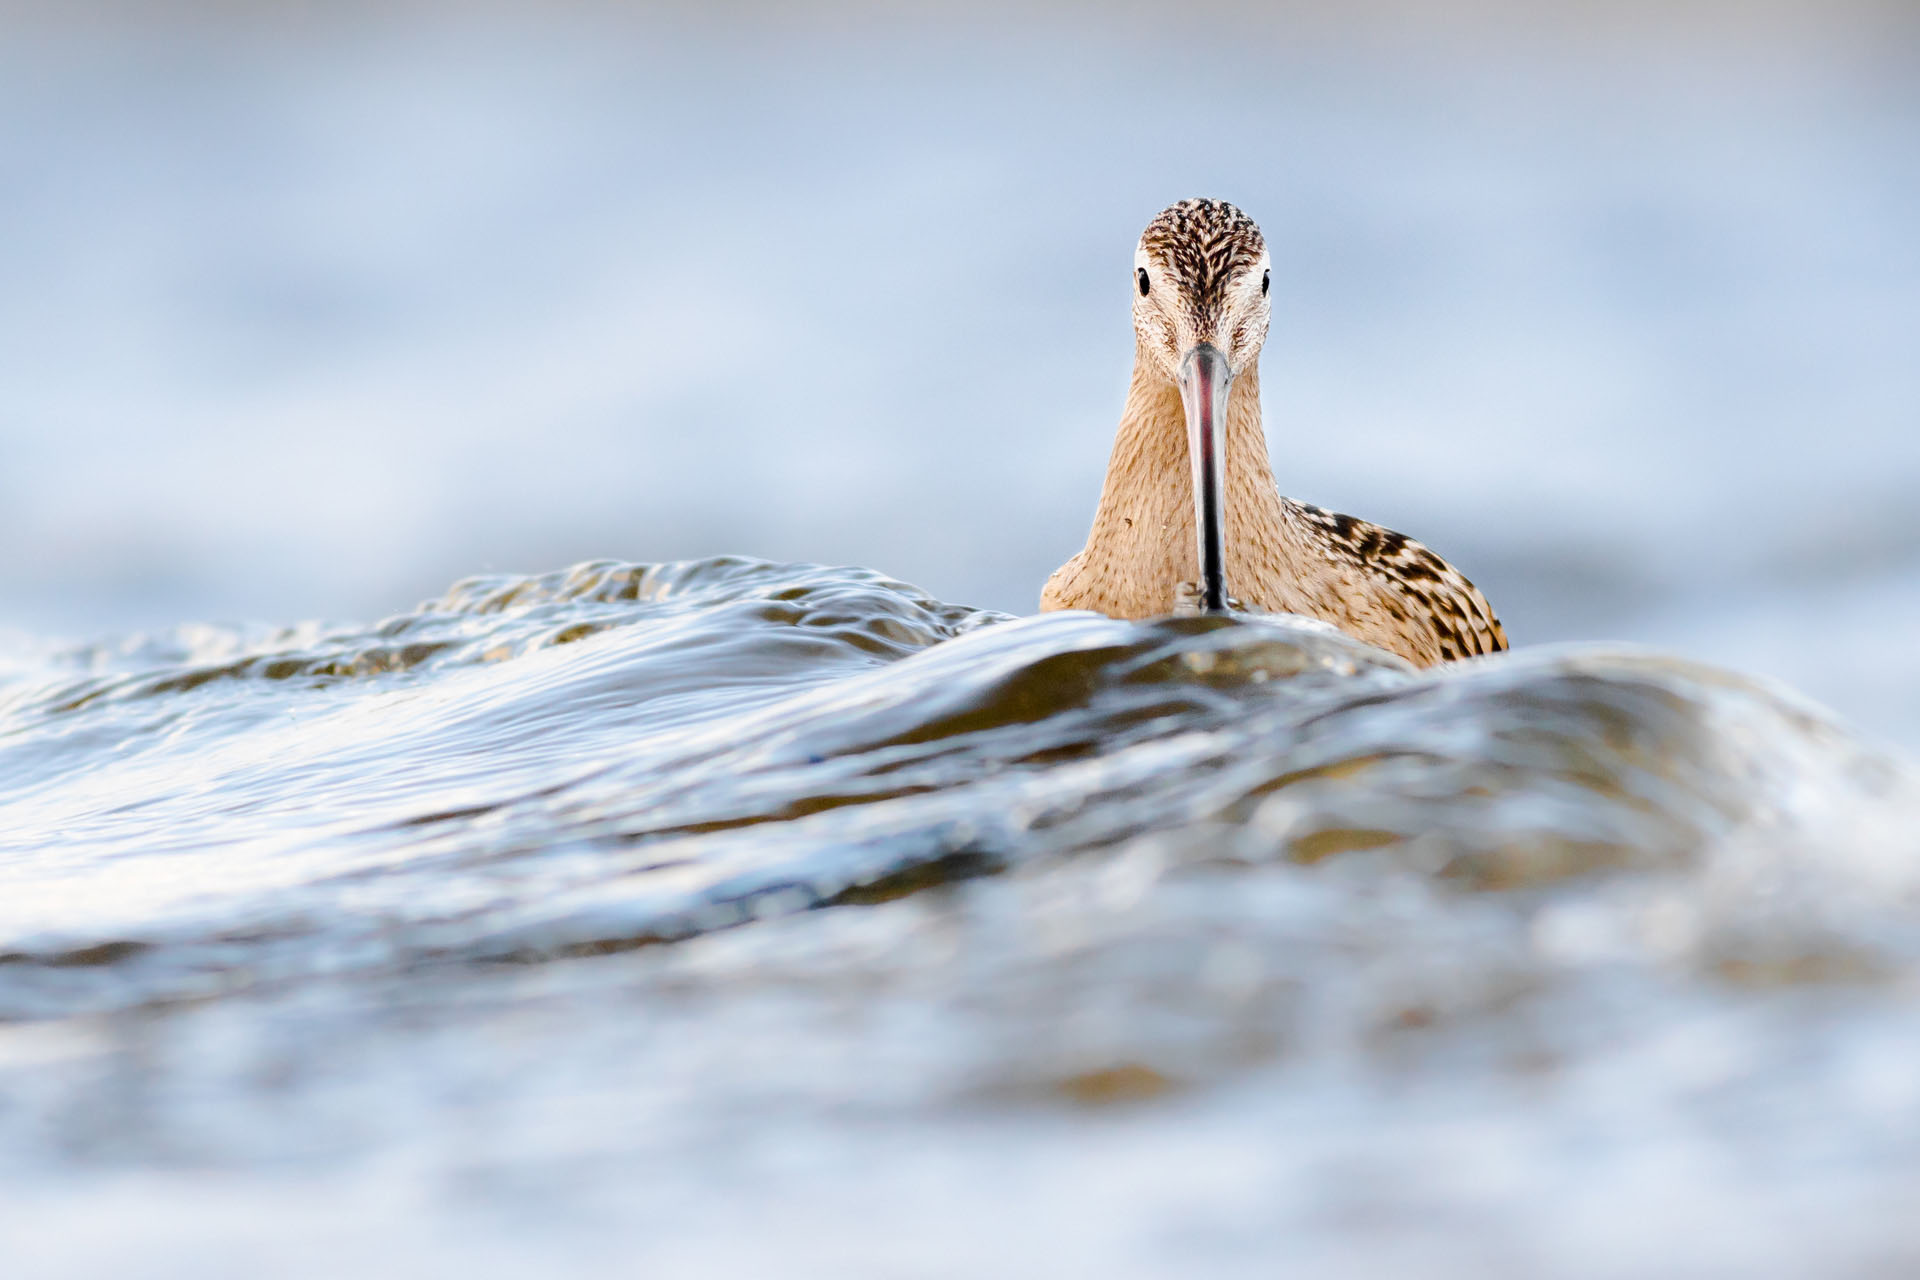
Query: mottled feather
point(1412, 586)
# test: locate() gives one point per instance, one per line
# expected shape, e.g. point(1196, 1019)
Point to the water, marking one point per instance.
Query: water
point(741, 918)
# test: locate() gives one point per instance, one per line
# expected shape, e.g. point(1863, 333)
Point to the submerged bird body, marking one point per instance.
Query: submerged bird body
point(1147, 551)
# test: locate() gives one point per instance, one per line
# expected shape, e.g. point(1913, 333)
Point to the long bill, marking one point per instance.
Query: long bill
point(1204, 381)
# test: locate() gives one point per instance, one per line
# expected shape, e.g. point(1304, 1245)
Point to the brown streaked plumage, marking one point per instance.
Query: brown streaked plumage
point(1204, 264)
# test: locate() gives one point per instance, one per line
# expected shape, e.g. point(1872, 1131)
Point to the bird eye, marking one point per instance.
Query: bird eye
point(1266, 279)
point(1145, 283)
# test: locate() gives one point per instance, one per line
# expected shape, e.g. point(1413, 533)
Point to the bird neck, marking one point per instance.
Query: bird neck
point(1147, 501)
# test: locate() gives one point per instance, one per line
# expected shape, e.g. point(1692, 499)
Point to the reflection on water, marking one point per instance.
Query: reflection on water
point(1154, 942)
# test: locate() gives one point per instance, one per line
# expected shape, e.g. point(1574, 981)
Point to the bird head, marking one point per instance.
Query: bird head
point(1201, 278)
point(1200, 311)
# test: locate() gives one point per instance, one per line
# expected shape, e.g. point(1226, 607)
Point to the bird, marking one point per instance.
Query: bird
point(1190, 518)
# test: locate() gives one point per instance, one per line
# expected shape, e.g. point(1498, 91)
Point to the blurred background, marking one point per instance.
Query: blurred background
point(307, 310)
